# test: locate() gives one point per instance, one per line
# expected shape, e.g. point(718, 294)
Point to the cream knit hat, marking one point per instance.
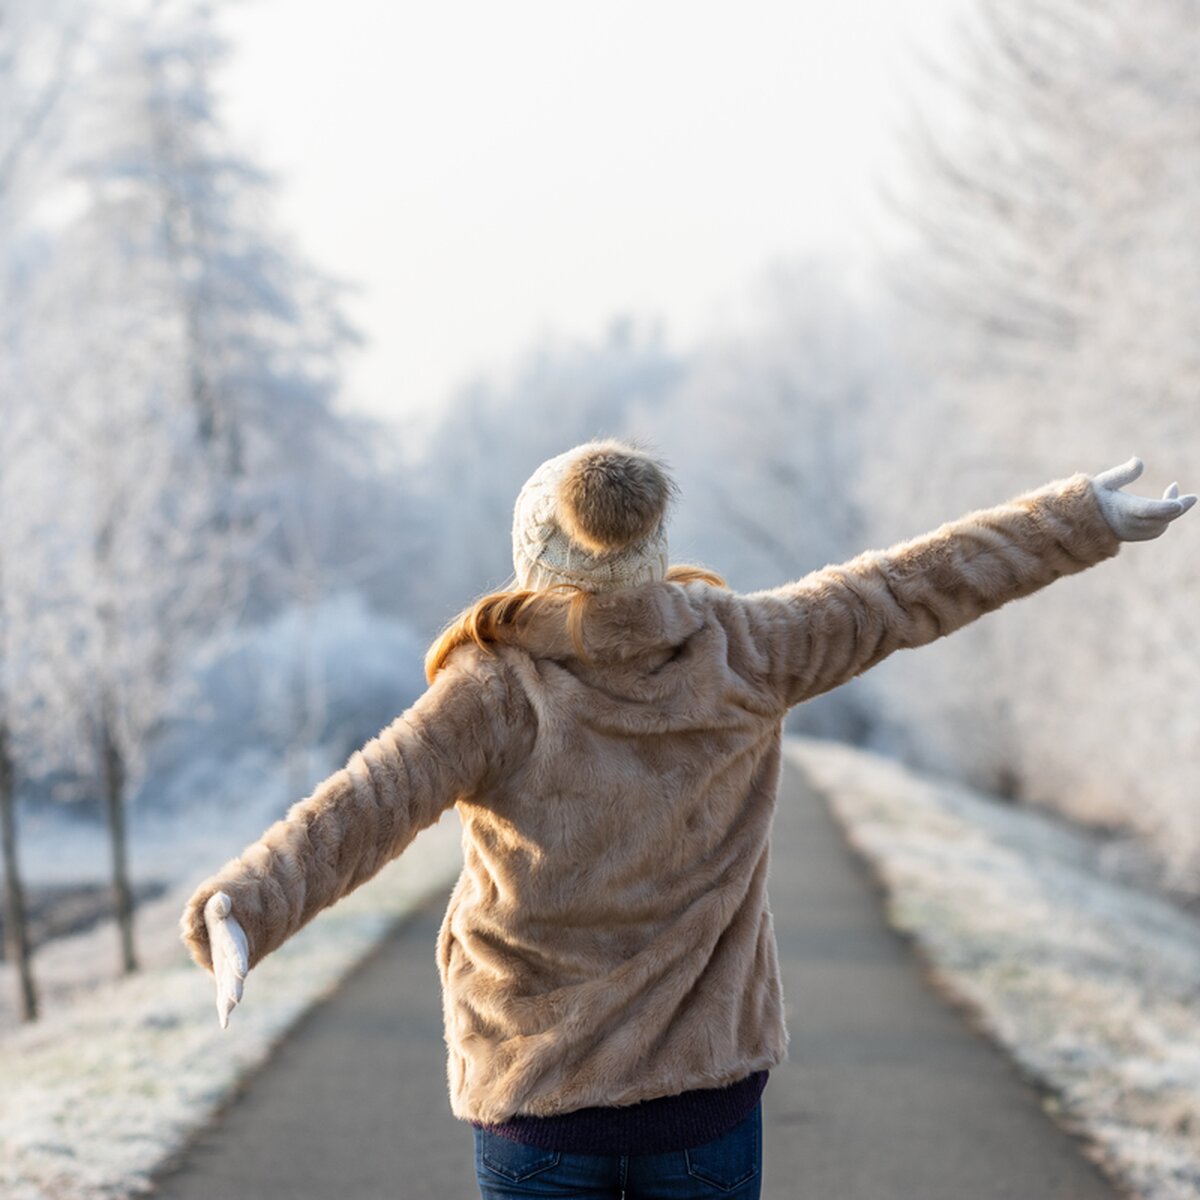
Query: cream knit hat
point(594, 516)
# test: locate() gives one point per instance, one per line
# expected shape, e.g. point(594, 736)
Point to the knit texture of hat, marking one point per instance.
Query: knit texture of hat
point(595, 517)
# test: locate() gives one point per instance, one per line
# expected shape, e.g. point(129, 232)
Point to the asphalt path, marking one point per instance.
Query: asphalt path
point(888, 1092)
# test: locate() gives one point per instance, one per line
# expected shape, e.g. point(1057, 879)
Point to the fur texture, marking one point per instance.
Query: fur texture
point(609, 939)
point(612, 496)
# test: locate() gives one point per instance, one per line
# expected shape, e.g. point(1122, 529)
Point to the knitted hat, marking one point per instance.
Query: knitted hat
point(594, 516)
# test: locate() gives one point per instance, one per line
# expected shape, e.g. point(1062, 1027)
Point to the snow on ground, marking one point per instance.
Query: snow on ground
point(117, 1074)
point(1091, 985)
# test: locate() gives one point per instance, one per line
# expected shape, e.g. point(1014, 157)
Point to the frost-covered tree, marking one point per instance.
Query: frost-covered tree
point(260, 333)
point(128, 565)
point(39, 40)
point(183, 361)
point(1056, 301)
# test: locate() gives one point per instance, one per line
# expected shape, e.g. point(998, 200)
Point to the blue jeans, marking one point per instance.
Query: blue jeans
point(729, 1167)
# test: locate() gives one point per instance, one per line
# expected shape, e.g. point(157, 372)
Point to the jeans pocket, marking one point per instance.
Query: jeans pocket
point(511, 1160)
point(733, 1159)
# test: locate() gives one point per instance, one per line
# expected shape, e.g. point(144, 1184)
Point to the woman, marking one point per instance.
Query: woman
point(610, 732)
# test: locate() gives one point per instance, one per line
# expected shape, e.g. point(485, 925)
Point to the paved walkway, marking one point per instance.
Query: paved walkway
point(888, 1094)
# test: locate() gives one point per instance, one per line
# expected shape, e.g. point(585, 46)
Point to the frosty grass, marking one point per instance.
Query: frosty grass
point(116, 1076)
point(1093, 987)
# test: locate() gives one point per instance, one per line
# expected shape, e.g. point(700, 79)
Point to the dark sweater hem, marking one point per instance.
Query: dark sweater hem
point(655, 1126)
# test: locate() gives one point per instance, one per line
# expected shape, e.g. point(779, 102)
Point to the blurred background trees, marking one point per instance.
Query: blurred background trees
point(169, 382)
point(1051, 298)
point(39, 44)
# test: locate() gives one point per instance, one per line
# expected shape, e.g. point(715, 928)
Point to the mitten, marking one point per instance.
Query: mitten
point(1136, 518)
point(230, 953)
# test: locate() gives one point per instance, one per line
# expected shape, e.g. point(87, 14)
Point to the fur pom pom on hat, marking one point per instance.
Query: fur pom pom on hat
point(594, 516)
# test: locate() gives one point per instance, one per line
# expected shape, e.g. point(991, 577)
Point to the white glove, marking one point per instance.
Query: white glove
point(1136, 518)
point(230, 953)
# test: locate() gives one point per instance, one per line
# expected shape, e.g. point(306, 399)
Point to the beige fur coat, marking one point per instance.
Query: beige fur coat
point(609, 939)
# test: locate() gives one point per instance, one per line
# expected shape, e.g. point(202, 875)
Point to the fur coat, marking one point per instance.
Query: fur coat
point(609, 939)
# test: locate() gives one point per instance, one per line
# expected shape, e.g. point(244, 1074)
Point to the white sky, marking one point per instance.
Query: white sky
point(491, 171)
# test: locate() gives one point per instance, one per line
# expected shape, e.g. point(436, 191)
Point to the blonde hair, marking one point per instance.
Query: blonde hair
point(482, 622)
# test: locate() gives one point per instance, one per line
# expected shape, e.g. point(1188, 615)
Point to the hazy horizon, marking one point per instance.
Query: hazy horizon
point(578, 163)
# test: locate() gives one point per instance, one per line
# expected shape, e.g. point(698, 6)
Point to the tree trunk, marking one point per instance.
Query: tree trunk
point(114, 805)
point(16, 936)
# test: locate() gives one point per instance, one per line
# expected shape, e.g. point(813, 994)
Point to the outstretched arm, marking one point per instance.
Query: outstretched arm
point(835, 623)
point(468, 723)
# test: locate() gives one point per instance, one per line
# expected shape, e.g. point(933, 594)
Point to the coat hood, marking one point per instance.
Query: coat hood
point(620, 625)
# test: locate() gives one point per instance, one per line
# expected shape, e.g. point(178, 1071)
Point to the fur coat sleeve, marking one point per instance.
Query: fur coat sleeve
point(465, 726)
point(819, 631)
